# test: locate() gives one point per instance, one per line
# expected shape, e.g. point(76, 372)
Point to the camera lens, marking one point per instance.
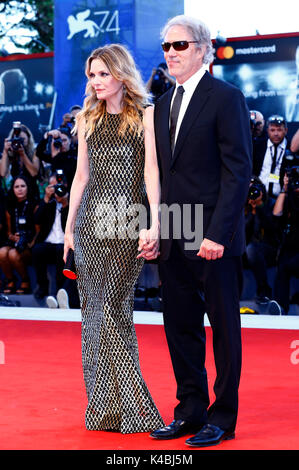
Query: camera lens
point(254, 192)
point(60, 190)
point(57, 143)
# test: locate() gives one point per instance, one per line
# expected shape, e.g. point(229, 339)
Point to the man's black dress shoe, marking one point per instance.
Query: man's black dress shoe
point(177, 428)
point(210, 435)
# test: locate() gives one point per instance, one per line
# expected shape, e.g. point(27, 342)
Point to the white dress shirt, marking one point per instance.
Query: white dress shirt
point(189, 87)
point(56, 234)
point(265, 174)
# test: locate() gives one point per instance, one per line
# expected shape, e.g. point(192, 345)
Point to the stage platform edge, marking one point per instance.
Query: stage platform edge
point(283, 322)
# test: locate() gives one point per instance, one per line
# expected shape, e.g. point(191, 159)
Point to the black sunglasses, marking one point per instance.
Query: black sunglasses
point(177, 45)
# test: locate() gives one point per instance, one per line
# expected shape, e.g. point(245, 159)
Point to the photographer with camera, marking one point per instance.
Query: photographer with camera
point(262, 240)
point(51, 219)
point(270, 156)
point(21, 233)
point(18, 156)
point(159, 82)
point(257, 126)
point(286, 211)
point(56, 149)
point(68, 123)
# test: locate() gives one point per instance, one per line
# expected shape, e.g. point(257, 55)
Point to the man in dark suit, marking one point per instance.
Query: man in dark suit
point(272, 156)
point(204, 153)
point(51, 218)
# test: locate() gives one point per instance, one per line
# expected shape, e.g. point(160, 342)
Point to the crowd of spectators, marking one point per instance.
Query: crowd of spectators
point(272, 211)
point(34, 199)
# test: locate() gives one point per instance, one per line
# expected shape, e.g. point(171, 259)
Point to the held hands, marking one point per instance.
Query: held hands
point(148, 245)
point(210, 250)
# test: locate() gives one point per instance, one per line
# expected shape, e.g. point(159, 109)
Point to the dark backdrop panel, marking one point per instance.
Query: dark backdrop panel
point(26, 93)
point(266, 69)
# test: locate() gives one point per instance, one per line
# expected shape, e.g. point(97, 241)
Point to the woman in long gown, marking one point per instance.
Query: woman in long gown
point(116, 163)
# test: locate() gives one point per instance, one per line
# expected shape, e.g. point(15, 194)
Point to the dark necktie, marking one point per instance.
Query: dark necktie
point(273, 166)
point(174, 114)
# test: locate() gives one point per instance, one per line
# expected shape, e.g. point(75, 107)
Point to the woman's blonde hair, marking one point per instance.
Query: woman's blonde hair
point(122, 67)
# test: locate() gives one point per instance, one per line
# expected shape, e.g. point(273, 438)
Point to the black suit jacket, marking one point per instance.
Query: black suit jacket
point(211, 164)
point(259, 152)
point(45, 217)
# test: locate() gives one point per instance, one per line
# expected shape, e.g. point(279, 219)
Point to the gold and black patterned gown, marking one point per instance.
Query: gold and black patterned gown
point(118, 398)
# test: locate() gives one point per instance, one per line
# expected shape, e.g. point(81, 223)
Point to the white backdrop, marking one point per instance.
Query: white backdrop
point(231, 18)
point(236, 18)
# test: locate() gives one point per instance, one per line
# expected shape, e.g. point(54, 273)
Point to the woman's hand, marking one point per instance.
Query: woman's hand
point(7, 145)
point(68, 244)
point(148, 244)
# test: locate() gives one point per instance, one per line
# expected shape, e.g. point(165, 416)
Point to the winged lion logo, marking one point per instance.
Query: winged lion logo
point(80, 23)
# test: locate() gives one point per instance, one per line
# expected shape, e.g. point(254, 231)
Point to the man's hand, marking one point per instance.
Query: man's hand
point(55, 134)
point(148, 245)
point(49, 192)
point(210, 250)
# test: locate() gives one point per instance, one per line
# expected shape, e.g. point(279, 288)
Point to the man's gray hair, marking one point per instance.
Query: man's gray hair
point(197, 29)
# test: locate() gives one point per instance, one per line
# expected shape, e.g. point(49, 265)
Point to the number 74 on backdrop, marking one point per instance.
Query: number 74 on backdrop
point(84, 25)
point(108, 22)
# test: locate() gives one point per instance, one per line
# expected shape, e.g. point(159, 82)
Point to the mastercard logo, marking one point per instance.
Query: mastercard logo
point(225, 52)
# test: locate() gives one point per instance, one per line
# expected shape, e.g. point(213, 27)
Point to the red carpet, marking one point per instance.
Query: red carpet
point(42, 396)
